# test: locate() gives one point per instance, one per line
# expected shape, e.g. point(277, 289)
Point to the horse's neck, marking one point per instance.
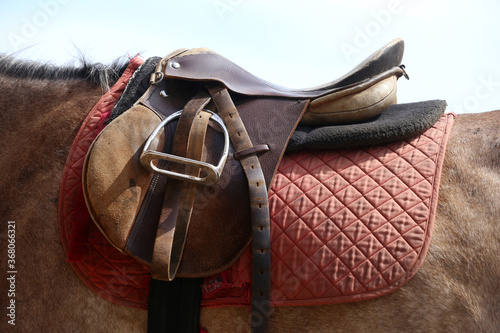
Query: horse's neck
point(38, 120)
point(23, 100)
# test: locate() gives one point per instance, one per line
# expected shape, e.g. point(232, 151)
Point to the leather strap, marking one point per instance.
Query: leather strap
point(259, 207)
point(174, 306)
point(178, 203)
point(252, 150)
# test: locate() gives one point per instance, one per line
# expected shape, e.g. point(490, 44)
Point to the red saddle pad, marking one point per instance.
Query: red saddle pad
point(106, 271)
point(346, 225)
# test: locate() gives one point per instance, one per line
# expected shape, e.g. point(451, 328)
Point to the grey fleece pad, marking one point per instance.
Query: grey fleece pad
point(399, 121)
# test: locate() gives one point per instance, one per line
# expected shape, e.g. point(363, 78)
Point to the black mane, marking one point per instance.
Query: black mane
point(105, 75)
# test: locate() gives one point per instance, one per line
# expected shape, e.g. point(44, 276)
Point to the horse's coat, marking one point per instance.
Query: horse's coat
point(456, 289)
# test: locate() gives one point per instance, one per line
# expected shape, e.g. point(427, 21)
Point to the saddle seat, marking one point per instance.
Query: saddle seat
point(362, 93)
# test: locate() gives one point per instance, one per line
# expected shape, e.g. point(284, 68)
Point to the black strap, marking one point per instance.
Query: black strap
point(174, 306)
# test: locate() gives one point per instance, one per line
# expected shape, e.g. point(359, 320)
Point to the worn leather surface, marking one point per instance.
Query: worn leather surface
point(115, 183)
point(395, 122)
point(333, 101)
point(213, 215)
point(173, 226)
point(352, 105)
point(259, 204)
point(205, 65)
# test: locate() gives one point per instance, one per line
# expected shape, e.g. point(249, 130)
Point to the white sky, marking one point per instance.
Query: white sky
point(452, 48)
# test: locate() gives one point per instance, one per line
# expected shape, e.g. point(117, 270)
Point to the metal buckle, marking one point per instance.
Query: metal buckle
point(403, 67)
point(212, 172)
point(156, 77)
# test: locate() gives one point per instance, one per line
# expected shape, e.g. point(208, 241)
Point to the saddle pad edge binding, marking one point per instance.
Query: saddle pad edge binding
point(70, 202)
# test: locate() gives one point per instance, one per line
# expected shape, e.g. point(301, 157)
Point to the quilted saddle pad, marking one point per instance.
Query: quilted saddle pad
point(106, 271)
point(346, 225)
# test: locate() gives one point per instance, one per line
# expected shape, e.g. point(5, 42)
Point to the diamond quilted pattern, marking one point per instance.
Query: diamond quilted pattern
point(327, 230)
point(351, 224)
point(356, 231)
point(369, 245)
point(322, 257)
point(111, 274)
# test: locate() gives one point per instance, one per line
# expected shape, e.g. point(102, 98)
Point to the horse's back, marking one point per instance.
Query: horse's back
point(456, 289)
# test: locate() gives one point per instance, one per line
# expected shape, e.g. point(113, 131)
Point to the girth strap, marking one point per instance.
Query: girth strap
point(259, 207)
point(174, 306)
point(179, 199)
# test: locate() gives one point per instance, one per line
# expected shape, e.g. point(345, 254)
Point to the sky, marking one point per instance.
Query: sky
point(452, 50)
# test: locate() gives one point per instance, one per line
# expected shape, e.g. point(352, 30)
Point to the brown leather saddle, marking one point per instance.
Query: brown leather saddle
point(180, 180)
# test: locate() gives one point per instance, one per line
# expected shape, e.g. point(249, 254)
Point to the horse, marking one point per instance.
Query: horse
point(457, 289)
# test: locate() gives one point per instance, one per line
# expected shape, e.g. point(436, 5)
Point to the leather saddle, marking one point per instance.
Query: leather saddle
point(180, 180)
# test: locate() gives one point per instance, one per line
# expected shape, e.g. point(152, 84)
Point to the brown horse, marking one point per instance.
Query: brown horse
point(41, 109)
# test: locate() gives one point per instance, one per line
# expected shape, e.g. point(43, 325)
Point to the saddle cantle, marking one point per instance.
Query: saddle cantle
point(154, 172)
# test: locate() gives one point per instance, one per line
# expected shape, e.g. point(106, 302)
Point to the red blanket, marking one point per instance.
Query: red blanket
point(346, 225)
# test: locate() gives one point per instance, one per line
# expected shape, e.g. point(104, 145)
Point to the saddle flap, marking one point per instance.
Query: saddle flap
point(113, 180)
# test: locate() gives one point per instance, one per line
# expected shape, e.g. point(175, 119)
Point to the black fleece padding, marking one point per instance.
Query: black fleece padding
point(397, 122)
point(136, 87)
